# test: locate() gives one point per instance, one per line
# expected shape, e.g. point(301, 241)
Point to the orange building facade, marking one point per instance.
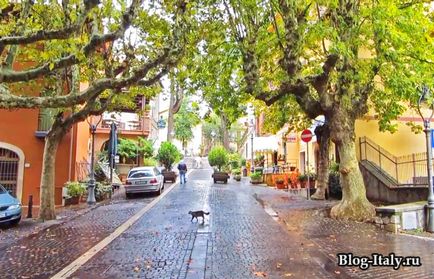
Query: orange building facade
point(22, 141)
point(21, 150)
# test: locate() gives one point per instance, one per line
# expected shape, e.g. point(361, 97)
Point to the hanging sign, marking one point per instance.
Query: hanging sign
point(291, 138)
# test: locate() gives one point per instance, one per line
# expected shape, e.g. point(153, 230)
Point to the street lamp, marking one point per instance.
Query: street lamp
point(424, 98)
point(91, 184)
point(252, 168)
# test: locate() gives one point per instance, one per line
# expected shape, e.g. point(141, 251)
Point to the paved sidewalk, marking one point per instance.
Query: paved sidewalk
point(332, 236)
point(44, 252)
point(31, 226)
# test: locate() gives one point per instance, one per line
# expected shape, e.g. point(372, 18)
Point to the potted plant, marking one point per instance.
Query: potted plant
point(234, 161)
point(75, 191)
point(149, 162)
point(127, 149)
point(167, 155)
point(334, 187)
point(304, 177)
point(280, 183)
point(103, 191)
point(237, 174)
point(256, 178)
point(218, 157)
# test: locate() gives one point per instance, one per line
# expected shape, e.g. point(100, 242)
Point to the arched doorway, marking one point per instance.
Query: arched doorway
point(11, 168)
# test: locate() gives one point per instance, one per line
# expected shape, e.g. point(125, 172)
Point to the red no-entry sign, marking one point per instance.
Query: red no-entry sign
point(306, 135)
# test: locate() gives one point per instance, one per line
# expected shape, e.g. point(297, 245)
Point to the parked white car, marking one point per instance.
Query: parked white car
point(144, 180)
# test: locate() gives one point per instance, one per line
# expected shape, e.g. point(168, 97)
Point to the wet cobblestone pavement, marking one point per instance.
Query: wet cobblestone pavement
point(239, 239)
point(45, 252)
point(332, 237)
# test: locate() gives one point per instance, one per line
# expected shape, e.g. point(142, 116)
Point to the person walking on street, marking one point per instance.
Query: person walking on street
point(182, 167)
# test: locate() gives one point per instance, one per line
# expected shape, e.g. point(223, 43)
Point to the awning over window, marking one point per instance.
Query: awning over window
point(265, 144)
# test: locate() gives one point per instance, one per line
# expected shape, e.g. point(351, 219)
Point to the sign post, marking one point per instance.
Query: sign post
point(306, 136)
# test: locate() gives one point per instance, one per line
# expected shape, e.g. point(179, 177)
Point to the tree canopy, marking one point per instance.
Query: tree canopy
point(338, 59)
point(115, 45)
point(185, 120)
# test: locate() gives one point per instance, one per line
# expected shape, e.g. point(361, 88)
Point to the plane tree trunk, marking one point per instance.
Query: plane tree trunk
point(47, 192)
point(354, 204)
point(323, 138)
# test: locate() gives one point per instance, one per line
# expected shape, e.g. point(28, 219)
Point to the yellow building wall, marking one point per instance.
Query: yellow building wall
point(402, 142)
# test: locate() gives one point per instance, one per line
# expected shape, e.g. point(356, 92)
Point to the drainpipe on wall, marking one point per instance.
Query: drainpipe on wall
point(70, 153)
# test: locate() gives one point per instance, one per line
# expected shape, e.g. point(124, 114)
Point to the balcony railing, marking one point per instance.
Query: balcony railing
point(139, 124)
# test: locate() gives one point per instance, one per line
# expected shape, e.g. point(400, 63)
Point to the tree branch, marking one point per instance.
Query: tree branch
point(167, 58)
point(59, 34)
point(320, 82)
point(95, 41)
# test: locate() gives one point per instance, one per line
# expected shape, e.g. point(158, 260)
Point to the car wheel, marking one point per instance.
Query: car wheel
point(15, 222)
point(128, 195)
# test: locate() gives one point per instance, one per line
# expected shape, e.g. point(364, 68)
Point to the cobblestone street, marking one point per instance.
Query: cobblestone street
point(46, 251)
point(239, 239)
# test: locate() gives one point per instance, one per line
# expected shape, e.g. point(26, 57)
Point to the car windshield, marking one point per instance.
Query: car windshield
point(139, 174)
point(2, 190)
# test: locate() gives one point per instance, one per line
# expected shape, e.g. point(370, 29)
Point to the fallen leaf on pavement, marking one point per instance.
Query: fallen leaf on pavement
point(287, 274)
point(279, 265)
point(260, 274)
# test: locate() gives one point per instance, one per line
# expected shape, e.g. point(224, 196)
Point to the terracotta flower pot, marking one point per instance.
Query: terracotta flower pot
point(280, 185)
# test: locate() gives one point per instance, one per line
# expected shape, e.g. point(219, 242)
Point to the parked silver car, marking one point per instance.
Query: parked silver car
point(144, 180)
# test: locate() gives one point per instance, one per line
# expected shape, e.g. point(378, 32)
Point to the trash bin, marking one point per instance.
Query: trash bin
point(244, 171)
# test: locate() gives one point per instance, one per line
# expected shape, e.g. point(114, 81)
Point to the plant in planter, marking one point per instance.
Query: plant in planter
point(167, 155)
point(234, 160)
point(103, 191)
point(304, 177)
point(237, 174)
point(280, 183)
point(75, 191)
point(149, 162)
point(335, 189)
point(218, 157)
point(256, 178)
point(127, 149)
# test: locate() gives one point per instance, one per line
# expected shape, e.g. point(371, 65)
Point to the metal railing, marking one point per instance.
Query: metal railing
point(141, 125)
point(9, 161)
point(407, 170)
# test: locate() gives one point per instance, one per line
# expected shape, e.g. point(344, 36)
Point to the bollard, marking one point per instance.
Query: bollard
point(29, 212)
